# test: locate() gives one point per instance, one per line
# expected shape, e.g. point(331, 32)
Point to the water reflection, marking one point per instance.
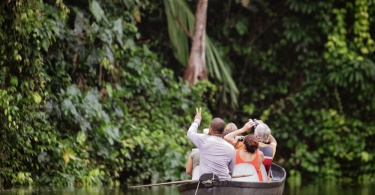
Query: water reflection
point(331, 188)
point(165, 190)
point(322, 188)
point(62, 191)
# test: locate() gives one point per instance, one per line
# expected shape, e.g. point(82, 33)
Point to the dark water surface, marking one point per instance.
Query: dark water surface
point(322, 188)
point(331, 188)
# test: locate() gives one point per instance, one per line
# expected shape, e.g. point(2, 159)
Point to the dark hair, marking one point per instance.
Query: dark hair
point(251, 143)
point(217, 125)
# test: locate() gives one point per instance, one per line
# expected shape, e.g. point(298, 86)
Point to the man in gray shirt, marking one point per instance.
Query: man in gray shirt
point(216, 155)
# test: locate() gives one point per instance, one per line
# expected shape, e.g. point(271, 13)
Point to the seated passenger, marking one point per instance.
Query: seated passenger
point(251, 154)
point(267, 144)
point(229, 128)
point(192, 163)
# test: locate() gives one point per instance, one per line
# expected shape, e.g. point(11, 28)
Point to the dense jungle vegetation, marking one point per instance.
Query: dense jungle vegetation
point(91, 91)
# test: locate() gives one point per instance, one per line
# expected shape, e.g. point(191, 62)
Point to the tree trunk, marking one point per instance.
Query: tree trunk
point(196, 68)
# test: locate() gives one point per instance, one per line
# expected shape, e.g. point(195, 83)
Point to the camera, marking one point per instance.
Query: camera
point(240, 138)
point(256, 123)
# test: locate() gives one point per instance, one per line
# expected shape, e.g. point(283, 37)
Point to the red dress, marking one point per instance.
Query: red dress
point(254, 162)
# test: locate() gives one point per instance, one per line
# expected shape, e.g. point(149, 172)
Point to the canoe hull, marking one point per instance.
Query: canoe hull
point(275, 187)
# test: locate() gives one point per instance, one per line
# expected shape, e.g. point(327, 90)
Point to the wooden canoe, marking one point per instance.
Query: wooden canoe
point(274, 187)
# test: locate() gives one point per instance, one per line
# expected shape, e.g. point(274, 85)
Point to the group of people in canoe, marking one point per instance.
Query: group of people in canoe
point(222, 147)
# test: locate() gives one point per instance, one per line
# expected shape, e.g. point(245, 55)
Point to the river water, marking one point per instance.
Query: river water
point(322, 188)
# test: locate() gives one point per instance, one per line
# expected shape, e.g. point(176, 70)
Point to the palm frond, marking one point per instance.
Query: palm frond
point(176, 33)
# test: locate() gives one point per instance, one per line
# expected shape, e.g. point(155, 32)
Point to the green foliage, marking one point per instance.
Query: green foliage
point(26, 129)
point(307, 69)
point(86, 102)
point(318, 111)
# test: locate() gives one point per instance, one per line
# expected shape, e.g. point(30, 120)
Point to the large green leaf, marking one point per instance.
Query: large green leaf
point(97, 11)
point(176, 11)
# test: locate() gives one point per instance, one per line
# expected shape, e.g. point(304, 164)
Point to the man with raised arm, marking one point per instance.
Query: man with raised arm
point(216, 155)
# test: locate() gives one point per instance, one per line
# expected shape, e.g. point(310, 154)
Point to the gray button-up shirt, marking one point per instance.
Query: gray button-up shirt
point(216, 155)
